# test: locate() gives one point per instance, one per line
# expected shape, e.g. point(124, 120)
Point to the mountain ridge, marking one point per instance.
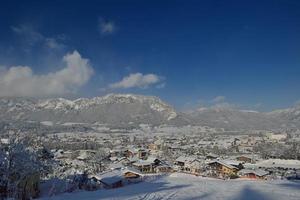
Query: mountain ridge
point(140, 109)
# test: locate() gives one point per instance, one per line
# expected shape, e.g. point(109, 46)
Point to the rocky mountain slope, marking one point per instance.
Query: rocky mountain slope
point(111, 109)
point(233, 119)
point(128, 109)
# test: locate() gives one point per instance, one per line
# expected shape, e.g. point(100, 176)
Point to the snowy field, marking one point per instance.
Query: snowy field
point(187, 187)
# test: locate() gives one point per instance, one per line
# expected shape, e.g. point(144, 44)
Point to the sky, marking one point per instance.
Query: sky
point(189, 53)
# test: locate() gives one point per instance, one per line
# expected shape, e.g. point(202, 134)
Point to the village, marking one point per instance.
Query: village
point(105, 161)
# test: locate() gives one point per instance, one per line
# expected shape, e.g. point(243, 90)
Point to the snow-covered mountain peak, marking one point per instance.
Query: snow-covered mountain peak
point(129, 109)
point(109, 109)
point(155, 103)
point(292, 113)
point(58, 103)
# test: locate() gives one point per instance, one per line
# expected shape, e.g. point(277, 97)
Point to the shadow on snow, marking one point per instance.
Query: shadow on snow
point(250, 194)
point(143, 190)
point(293, 184)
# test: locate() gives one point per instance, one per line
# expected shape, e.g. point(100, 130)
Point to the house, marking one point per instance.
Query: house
point(118, 177)
point(211, 156)
point(85, 155)
point(253, 174)
point(183, 160)
point(110, 179)
point(235, 163)
point(132, 175)
point(144, 166)
point(244, 158)
point(221, 168)
point(189, 164)
point(278, 167)
point(164, 168)
point(117, 152)
point(194, 167)
point(155, 145)
point(155, 161)
point(147, 166)
point(279, 164)
point(180, 161)
point(276, 137)
point(123, 160)
point(141, 153)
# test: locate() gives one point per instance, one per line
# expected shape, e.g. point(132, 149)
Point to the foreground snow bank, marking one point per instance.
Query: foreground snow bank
point(188, 187)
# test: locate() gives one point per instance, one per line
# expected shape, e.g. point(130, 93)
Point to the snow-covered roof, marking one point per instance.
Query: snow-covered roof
point(163, 165)
point(142, 163)
point(212, 155)
point(110, 177)
point(151, 159)
point(279, 163)
point(113, 158)
point(186, 159)
point(223, 163)
point(4, 140)
point(83, 155)
point(132, 170)
point(116, 166)
point(232, 162)
point(195, 163)
point(257, 172)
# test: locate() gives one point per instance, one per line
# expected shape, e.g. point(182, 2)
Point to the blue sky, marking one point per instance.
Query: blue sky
point(189, 53)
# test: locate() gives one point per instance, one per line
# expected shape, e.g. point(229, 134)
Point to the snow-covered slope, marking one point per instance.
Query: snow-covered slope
point(233, 119)
point(289, 117)
point(189, 187)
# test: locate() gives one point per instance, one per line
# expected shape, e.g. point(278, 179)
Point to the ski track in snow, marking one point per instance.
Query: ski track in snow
point(188, 187)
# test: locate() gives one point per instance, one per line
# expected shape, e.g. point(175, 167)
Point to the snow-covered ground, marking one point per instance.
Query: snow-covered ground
point(188, 187)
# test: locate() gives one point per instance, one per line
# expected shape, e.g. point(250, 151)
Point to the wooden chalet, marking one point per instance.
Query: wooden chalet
point(253, 174)
point(223, 168)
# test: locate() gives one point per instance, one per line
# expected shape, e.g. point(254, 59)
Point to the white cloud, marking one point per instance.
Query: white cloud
point(21, 80)
point(137, 80)
point(218, 99)
point(106, 27)
point(32, 37)
point(52, 43)
point(29, 35)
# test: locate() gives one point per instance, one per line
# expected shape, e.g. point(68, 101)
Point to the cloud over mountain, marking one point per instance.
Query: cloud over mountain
point(137, 80)
point(219, 99)
point(22, 81)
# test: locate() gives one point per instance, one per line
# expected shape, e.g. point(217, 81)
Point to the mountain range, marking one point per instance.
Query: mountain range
point(129, 109)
